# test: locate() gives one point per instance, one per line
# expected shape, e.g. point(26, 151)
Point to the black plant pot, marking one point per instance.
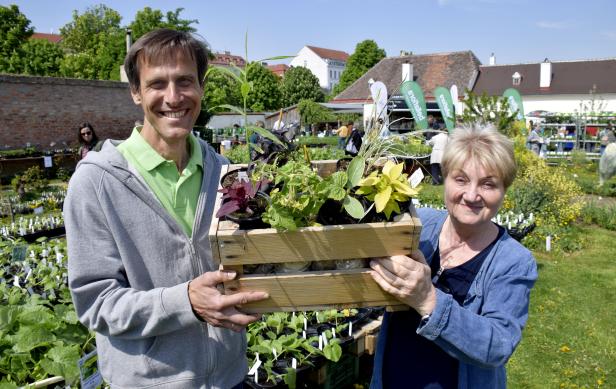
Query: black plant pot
point(249, 381)
point(51, 233)
point(343, 163)
point(333, 213)
point(230, 177)
point(252, 221)
point(519, 233)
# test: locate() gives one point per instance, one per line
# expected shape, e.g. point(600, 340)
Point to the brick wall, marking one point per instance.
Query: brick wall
point(44, 110)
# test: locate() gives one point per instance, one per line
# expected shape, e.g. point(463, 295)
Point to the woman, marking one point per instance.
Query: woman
point(468, 285)
point(88, 140)
point(438, 143)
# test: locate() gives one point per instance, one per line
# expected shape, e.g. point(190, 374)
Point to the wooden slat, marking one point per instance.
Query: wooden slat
point(335, 289)
point(350, 241)
point(214, 224)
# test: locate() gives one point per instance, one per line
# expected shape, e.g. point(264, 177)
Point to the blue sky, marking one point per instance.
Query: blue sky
point(517, 31)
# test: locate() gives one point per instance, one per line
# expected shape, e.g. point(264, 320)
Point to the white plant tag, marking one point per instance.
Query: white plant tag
point(47, 161)
point(16, 282)
point(350, 328)
point(304, 334)
point(305, 324)
point(242, 176)
point(275, 353)
point(320, 342)
point(253, 369)
point(38, 210)
point(548, 243)
point(333, 333)
point(416, 178)
point(294, 363)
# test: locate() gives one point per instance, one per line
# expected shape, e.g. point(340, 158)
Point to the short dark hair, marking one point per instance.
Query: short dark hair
point(163, 44)
point(350, 123)
point(87, 125)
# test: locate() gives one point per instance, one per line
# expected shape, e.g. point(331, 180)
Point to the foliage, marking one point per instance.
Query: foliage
point(547, 192)
point(220, 89)
point(300, 84)
point(318, 140)
point(367, 54)
point(311, 112)
point(239, 197)
point(14, 31)
point(486, 109)
point(409, 146)
point(323, 153)
point(40, 333)
point(238, 154)
point(603, 216)
point(32, 180)
point(149, 19)
point(37, 57)
point(265, 92)
point(295, 200)
point(95, 44)
point(387, 188)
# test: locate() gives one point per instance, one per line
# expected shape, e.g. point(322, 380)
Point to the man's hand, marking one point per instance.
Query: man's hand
point(218, 309)
point(408, 279)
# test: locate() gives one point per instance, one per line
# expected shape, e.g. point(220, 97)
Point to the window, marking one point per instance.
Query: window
point(305, 63)
point(516, 78)
point(331, 74)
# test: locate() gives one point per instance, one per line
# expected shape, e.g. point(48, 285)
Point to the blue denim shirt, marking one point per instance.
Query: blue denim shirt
point(483, 333)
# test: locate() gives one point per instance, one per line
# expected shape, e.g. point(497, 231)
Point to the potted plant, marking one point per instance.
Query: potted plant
point(244, 203)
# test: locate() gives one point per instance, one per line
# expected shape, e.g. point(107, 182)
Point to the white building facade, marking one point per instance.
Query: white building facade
point(326, 64)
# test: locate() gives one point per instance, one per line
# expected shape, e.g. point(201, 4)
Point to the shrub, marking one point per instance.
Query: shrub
point(604, 217)
point(547, 192)
point(238, 154)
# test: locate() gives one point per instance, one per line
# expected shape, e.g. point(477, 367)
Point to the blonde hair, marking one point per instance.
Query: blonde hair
point(484, 145)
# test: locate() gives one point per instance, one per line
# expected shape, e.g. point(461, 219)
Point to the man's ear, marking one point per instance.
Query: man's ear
point(136, 95)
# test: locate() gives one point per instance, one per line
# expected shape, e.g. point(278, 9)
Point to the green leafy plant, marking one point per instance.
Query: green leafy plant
point(387, 188)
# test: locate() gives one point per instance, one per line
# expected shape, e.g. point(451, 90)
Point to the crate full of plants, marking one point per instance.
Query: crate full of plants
point(307, 240)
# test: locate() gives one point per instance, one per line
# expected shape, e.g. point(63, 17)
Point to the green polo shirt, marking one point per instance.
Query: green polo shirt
point(178, 193)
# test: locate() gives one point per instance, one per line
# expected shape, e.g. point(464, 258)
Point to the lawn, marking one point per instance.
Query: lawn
point(568, 342)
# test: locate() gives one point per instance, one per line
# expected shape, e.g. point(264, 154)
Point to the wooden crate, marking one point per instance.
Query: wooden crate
point(312, 290)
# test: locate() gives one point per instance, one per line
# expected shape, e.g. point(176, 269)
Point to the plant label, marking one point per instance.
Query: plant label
point(416, 178)
point(254, 368)
point(548, 243)
point(88, 371)
point(38, 210)
point(242, 176)
point(47, 162)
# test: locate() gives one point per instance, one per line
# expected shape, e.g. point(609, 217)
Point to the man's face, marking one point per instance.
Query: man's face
point(170, 95)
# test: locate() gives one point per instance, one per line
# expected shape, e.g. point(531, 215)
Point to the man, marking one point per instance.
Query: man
point(343, 134)
point(354, 140)
point(438, 143)
point(137, 216)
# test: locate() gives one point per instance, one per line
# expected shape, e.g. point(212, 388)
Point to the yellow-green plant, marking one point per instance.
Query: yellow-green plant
point(387, 188)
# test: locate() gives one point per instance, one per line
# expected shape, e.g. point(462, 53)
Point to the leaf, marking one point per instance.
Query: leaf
point(8, 315)
point(245, 89)
point(336, 193)
point(395, 171)
point(62, 361)
point(369, 181)
point(332, 351)
point(290, 378)
point(233, 108)
point(364, 190)
point(381, 199)
point(355, 171)
point(353, 207)
point(389, 165)
point(339, 179)
point(31, 337)
point(404, 188)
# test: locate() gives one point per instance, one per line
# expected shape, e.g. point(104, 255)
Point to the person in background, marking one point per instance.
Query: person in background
point(343, 134)
point(606, 136)
point(438, 143)
point(253, 140)
point(467, 287)
point(354, 140)
point(534, 139)
point(88, 140)
point(137, 216)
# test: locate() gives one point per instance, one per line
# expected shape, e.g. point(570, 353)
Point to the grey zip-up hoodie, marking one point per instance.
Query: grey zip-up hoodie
point(129, 267)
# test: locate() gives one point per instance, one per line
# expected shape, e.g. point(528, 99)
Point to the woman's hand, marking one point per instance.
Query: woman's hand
point(408, 279)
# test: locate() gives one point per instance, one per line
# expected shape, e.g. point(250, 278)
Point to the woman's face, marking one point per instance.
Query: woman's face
point(86, 134)
point(473, 195)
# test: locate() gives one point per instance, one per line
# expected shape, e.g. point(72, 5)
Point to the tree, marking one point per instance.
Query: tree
point(96, 40)
point(220, 88)
point(265, 92)
point(14, 31)
point(298, 84)
point(149, 19)
point(313, 113)
point(38, 57)
point(367, 54)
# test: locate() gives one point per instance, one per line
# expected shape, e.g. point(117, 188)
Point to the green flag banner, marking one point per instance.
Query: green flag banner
point(445, 104)
point(415, 100)
point(515, 102)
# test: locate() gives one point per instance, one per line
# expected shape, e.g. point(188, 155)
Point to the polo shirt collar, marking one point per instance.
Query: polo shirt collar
point(149, 158)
